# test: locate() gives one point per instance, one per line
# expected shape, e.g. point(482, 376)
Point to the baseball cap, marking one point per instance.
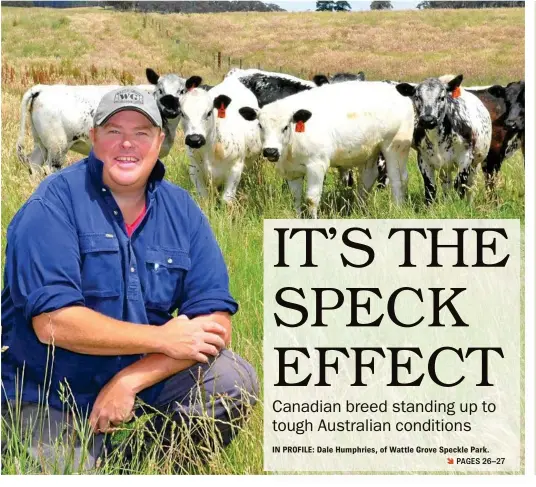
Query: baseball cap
point(127, 98)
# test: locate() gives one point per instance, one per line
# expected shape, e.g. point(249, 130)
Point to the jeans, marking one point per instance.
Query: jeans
point(217, 394)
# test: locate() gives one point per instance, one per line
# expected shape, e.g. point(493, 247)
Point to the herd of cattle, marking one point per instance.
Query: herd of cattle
point(304, 127)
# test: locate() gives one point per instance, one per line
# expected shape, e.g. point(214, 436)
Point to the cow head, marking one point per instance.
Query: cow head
point(168, 88)
point(276, 127)
point(514, 98)
point(197, 113)
point(430, 99)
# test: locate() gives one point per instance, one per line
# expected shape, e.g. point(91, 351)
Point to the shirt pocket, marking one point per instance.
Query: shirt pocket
point(101, 265)
point(166, 270)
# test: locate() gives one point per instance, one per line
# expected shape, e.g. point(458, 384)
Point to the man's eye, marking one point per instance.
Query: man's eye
point(142, 134)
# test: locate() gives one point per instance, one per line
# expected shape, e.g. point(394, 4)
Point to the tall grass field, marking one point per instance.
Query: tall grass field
point(101, 46)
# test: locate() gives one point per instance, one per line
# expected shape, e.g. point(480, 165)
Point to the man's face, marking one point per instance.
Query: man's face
point(128, 144)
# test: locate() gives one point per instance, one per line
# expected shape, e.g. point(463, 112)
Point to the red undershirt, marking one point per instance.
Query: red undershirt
point(136, 222)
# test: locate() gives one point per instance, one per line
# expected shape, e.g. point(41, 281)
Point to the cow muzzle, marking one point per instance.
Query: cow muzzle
point(428, 122)
point(195, 141)
point(271, 154)
point(169, 105)
point(511, 124)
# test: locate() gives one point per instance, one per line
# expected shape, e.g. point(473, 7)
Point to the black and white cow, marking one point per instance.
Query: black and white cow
point(269, 86)
point(453, 131)
point(62, 115)
point(506, 106)
point(322, 79)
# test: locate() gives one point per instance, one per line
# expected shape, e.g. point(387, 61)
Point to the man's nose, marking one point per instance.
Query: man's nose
point(126, 143)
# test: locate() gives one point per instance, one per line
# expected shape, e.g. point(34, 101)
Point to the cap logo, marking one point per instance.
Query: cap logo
point(128, 96)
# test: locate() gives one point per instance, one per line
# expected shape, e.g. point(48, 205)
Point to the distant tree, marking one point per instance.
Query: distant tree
point(484, 4)
point(325, 6)
point(381, 5)
point(342, 7)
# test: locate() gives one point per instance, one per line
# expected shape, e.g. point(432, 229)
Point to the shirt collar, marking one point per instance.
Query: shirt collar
point(96, 166)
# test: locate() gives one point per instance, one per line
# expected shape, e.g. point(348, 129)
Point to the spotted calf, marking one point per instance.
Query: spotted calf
point(452, 132)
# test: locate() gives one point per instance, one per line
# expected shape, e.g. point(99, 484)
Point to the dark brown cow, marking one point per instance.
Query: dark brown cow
point(506, 106)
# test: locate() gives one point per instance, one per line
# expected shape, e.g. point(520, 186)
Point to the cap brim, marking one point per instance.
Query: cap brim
point(131, 108)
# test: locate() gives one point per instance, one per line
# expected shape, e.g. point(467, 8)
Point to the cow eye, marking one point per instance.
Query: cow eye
point(260, 126)
point(285, 129)
point(208, 114)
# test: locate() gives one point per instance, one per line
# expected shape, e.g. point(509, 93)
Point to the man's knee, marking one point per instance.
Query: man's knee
point(236, 378)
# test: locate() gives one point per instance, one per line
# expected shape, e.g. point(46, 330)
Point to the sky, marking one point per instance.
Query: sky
point(295, 6)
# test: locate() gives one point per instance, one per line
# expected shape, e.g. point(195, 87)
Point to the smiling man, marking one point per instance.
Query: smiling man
point(97, 261)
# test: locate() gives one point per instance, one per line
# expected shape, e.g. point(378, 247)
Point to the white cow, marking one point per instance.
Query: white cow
point(62, 115)
point(219, 141)
point(343, 125)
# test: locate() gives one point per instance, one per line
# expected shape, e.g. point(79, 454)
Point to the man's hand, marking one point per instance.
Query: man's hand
point(194, 339)
point(114, 405)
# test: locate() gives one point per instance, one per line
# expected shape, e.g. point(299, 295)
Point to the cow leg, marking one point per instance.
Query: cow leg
point(346, 176)
point(231, 183)
point(383, 179)
point(367, 178)
point(465, 177)
point(56, 158)
point(37, 160)
point(446, 180)
point(197, 178)
point(428, 176)
point(316, 173)
point(396, 164)
point(296, 187)
point(490, 168)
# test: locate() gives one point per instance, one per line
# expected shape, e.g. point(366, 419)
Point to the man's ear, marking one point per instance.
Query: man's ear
point(92, 135)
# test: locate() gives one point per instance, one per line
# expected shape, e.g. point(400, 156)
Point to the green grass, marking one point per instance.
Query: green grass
point(72, 41)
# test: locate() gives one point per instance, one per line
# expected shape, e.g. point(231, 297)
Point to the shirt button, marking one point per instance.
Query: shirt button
point(156, 266)
point(115, 212)
point(170, 261)
point(132, 269)
point(104, 190)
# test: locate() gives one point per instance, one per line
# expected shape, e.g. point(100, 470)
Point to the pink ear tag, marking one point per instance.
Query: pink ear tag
point(300, 126)
point(221, 111)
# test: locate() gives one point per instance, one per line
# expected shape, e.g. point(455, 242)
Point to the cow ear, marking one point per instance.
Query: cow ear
point(497, 91)
point(454, 83)
point(320, 79)
point(405, 89)
point(361, 76)
point(152, 76)
point(301, 116)
point(249, 113)
point(221, 99)
point(193, 82)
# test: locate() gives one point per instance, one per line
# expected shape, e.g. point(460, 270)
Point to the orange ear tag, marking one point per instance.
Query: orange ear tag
point(300, 126)
point(456, 92)
point(221, 111)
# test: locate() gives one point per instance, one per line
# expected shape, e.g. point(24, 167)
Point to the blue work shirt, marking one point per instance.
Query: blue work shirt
point(68, 246)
